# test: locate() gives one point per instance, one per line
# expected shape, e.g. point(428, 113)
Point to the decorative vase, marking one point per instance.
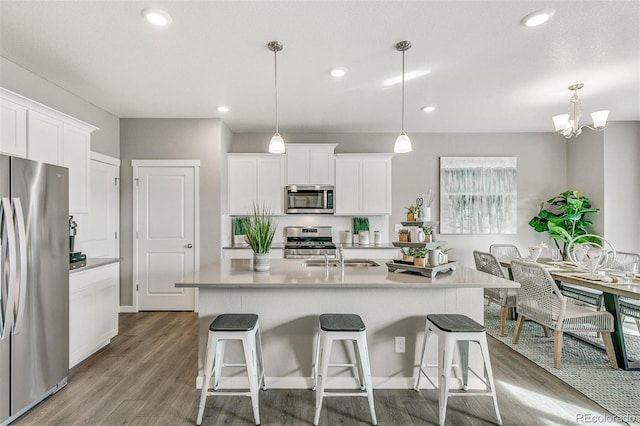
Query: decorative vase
point(418, 261)
point(261, 262)
point(407, 258)
point(428, 238)
point(403, 238)
point(426, 215)
point(411, 217)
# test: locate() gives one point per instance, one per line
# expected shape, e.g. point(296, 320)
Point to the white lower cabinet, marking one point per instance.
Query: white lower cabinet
point(94, 302)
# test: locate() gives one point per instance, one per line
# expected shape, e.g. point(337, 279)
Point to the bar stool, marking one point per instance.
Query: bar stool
point(243, 327)
point(460, 329)
point(342, 327)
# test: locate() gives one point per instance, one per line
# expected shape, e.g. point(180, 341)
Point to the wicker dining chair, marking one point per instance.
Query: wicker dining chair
point(505, 251)
point(540, 300)
point(503, 297)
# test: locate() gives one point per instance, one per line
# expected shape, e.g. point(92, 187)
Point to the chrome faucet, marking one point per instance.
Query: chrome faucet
point(326, 260)
point(341, 256)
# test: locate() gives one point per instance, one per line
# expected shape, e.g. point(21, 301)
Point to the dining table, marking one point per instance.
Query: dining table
point(610, 282)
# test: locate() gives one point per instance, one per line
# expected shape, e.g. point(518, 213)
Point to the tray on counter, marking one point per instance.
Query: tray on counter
point(422, 223)
point(427, 271)
point(431, 245)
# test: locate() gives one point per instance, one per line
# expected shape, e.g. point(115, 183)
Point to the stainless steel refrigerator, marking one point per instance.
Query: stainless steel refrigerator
point(34, 283)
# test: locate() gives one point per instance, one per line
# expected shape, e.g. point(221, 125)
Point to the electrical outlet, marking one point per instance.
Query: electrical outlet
point(399, 343)
point(397, 227)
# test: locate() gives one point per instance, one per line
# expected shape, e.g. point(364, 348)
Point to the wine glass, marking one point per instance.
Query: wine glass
point(593, 260)
point(555, 256)
point(630, 271)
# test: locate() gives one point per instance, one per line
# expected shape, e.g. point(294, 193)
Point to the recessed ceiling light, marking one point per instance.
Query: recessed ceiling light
point(429, 108)
point(223, 108)
point(157, 16)
point(538, 17)
point(338, 72)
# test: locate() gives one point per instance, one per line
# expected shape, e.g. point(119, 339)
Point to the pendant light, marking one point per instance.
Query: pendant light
point(403, 143)
point(276, 145)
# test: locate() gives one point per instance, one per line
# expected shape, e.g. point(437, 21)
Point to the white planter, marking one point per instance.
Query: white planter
point(261, 262)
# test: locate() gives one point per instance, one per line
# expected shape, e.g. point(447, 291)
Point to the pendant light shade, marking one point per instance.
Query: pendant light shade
point(276, 145)
point(403, 143)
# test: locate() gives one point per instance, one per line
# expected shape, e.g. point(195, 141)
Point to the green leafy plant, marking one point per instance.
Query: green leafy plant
point(403, 231)
point(420, 253)
point(446, 250)
point(240, 225)
point(427, 230)
point(564, 218)
point(360, 224)
point(412, 209)
point(260, 229)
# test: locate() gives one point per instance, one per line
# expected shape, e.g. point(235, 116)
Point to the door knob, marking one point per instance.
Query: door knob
point(189, 245)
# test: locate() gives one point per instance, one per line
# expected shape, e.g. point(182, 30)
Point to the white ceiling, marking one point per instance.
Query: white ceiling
point(486, 72)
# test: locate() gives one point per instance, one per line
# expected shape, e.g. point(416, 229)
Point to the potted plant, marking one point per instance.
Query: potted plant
point(428, 231)
point(419, 256)
point(412, 210)
point(403, 235)
point(260, 231)
point(564, 218)
point(407, 254)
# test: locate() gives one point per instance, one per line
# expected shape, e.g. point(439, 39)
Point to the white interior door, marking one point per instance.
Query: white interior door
point(165, 204)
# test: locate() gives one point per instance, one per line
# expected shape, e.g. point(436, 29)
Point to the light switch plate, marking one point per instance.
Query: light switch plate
point(400, 344)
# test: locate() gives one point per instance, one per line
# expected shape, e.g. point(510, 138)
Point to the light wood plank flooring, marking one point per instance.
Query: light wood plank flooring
point(147, 376)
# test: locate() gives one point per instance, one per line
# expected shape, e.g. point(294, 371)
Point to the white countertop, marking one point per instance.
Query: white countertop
point(96, 263)
point(238, 273)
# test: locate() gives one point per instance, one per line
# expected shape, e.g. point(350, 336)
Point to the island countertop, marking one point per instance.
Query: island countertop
point(287, 273)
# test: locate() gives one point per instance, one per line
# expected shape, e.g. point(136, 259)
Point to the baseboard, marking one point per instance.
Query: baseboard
point(128, 309)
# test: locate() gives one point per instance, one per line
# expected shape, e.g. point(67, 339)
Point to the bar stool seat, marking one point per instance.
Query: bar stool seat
point(452, 329)
point(242, 327)
point(342, 327)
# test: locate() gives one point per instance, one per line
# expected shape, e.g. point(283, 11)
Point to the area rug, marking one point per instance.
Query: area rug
point(584, 367)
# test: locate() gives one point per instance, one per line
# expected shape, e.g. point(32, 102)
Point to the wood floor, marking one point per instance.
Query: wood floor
point(147, 376)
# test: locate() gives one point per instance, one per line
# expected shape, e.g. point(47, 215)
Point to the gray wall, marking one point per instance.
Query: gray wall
point(622, 185)
point(542, 160)
point(169, 139)
point(24, 82)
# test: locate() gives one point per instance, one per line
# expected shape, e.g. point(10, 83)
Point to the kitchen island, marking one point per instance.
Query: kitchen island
point(290, 297)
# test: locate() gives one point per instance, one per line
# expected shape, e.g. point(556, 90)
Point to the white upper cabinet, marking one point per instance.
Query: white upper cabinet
point(363, 184)
point(45, 141)
point(76, 157)
point(310, 164)
point(13, 128)
point(39, 133)
point(256, 178)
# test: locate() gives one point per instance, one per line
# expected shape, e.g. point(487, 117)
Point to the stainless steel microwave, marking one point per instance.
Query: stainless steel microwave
point(309, 199)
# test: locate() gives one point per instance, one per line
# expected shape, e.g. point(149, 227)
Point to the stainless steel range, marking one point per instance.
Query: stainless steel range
point(308, 242)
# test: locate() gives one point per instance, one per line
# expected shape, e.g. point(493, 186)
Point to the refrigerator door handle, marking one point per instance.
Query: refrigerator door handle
point(8, 232)
point(22, 281)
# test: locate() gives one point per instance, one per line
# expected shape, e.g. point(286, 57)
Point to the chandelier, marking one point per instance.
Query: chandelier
point(403, 143)
point(568, 125)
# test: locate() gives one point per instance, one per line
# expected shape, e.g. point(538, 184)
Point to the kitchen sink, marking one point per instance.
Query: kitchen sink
point(351, 263)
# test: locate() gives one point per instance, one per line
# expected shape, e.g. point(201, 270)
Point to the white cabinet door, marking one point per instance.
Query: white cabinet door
point(363, 184)
point(76, 151)
point(376, 185)
point(297, 166)
point(310, 164)
point(348, 186)
point(321, 166)
point(256, 179)
point(44, 138)
point(242, 184)
point(93, 310)
point(270, 183)
point(13, 128)
point(98, 230)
